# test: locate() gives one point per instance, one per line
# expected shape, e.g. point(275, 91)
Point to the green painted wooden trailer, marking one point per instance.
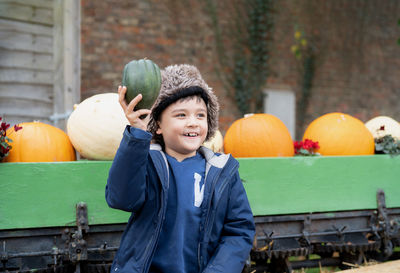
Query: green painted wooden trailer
point(53, 216)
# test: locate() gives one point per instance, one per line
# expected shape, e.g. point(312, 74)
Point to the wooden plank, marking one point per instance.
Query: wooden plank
point(20, 107)
point(35, 3)
point(11, 75)
point(387, 267)
point(26, 13)
point(21, 27)
point(18, 119)
point(64, 184)
point(27, 188)
point(27, 60)
point(42, 93)
point(319, 184)
point(25, 42)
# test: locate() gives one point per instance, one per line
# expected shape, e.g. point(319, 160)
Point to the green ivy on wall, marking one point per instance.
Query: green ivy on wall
point(242, 50)
point(304, 50)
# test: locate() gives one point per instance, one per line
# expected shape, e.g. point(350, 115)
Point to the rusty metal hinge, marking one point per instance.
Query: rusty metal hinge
point(78, 246)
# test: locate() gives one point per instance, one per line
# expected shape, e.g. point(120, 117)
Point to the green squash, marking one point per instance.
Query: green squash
point(142, 77)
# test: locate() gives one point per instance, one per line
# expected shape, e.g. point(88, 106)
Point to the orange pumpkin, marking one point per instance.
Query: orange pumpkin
point(258, 135)
point(39, 142)
point(340, 134)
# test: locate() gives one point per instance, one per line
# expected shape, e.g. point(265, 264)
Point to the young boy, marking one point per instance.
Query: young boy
point(189, 209)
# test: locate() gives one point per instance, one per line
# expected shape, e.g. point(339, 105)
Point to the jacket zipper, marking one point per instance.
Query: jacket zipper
point(160, 218)
point(206, 229)
point(206, 221)
point(222, 188)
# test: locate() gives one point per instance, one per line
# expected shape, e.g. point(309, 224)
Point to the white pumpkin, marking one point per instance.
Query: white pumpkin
point(383, 125)
point(96, 125)
point(216, 143)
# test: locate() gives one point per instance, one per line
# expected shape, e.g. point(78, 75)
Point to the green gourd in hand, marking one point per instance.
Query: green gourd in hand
point(142, 77)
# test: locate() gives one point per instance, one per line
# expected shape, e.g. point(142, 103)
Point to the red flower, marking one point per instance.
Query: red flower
point(298, 145)
point(17, 128)
point(5, 146)
point(305, 147)
point(5, 150)
point(4, 126)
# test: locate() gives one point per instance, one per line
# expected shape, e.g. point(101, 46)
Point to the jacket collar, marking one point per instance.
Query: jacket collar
point(212, 158)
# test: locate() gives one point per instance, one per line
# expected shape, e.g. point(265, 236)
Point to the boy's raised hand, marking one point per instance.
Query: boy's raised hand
point(133, 116)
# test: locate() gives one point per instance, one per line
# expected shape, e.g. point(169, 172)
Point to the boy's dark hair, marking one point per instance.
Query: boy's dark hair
point(178, 82)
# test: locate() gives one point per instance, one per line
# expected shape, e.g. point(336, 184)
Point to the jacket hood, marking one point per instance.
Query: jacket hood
point(175, 79)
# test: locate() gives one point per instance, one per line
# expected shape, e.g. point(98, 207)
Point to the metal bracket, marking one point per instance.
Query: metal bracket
point(3, 254)
point(384, 224)
point(381, 202)
point(307, 224)
point(78, 246)
point(82, 221)
point(339, 232)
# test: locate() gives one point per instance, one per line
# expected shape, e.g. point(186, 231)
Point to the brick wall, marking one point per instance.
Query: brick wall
point(170, 32)
point(357, 56)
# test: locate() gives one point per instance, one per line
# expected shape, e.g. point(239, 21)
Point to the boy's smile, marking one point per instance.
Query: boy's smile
point(183, 126)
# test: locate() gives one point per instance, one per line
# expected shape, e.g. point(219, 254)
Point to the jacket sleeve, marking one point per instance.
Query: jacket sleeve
point(126, 183)
point(237, 234)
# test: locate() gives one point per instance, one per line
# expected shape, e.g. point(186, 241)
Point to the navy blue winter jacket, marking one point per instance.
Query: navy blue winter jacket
point(138, 182)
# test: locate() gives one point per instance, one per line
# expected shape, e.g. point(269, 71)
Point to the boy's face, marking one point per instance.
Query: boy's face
point(183, 126)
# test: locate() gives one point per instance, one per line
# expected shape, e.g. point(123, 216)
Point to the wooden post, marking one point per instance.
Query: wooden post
point(66, 59)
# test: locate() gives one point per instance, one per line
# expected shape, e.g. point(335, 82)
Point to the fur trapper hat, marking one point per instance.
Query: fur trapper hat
point(180, 81)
